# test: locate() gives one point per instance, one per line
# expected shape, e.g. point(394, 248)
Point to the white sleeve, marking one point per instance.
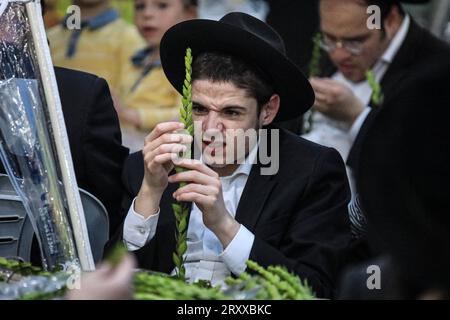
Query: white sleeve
point(238, 251)
point(137, 230)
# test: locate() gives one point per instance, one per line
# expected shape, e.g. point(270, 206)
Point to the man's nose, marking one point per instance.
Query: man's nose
point(340, 54)
point(213, 122)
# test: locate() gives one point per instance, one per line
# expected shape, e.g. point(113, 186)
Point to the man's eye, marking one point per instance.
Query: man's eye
point(199, 110)
point(232, 113)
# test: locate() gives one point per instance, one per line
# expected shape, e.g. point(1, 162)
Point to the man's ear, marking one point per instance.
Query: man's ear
point(392, 22)
point(269, 110)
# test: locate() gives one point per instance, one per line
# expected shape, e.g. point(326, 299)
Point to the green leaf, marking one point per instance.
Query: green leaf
point(176, 260)
point(182, 248)
point(183, 225)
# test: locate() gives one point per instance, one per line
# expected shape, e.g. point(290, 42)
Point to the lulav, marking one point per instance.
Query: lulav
point(182, 210)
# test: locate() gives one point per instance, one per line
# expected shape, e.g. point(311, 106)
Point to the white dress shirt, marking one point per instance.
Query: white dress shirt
point(338, 134)
point(205, 258)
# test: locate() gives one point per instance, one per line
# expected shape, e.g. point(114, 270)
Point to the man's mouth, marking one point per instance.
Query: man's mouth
point(345, 67)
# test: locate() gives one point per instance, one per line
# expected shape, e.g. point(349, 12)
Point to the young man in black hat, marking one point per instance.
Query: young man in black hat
point(294, 214)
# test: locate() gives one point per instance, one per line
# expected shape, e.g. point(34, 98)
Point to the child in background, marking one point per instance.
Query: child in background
point(52, 16)
point(151, 98)
point(102, 45)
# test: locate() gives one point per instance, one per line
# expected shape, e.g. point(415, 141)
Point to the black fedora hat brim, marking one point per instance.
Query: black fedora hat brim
point(201, 35)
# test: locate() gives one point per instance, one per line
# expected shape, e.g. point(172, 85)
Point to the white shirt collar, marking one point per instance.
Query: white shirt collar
point(397, 41)
point(246, 167)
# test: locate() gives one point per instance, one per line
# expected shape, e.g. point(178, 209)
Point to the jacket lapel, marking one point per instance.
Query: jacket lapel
point(254, 197)
point(405, 57)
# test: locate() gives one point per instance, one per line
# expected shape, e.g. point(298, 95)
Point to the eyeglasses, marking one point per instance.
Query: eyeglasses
point(352, 46)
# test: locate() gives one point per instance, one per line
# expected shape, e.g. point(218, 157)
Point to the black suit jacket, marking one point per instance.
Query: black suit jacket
point(299, 216)
point(419, 47)
point(94, 136)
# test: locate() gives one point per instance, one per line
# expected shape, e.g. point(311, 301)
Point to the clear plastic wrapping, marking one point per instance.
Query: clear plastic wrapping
point(27, 142)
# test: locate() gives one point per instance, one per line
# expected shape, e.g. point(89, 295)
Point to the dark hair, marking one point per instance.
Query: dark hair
point(190, 3)
point(220, 67)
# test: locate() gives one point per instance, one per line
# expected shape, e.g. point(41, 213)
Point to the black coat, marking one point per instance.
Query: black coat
point(94, 136)
point(419, 48)
point(299, 216)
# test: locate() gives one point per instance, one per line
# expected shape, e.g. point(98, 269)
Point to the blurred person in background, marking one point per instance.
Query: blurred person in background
point(404, 188)
point(52, 16)
point(345, 103)
point(344, 97)
point(150, 99)
point(102, 45)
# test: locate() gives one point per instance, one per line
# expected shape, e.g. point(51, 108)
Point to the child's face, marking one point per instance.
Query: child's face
point(154, 17)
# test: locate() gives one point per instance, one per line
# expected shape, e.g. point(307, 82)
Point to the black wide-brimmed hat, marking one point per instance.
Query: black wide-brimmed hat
point(247, 38)
point(404, 173)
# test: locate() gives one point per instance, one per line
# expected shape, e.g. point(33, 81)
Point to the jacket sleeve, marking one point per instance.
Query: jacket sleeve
point(104, 154)
point(318, 235)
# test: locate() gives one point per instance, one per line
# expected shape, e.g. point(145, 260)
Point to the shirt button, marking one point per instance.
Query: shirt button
point(141, 230)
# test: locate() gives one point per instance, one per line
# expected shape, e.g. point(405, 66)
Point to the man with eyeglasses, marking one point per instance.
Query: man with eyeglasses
point(344, 96)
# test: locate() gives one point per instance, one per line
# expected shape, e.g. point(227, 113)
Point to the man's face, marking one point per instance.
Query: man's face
point(346, 20)
point(221, 108)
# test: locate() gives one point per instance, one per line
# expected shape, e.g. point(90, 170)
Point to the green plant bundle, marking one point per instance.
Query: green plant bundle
point(267, 284)
point(314, 64)
point(377, 94)
point(150, 286)
point(182, 210)
point(15, 270)
point(276, 283)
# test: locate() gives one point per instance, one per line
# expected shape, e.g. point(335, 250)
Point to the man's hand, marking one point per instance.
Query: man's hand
point(205, 190)
point(336, 100)
point(106, 283)
point(161, 146)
